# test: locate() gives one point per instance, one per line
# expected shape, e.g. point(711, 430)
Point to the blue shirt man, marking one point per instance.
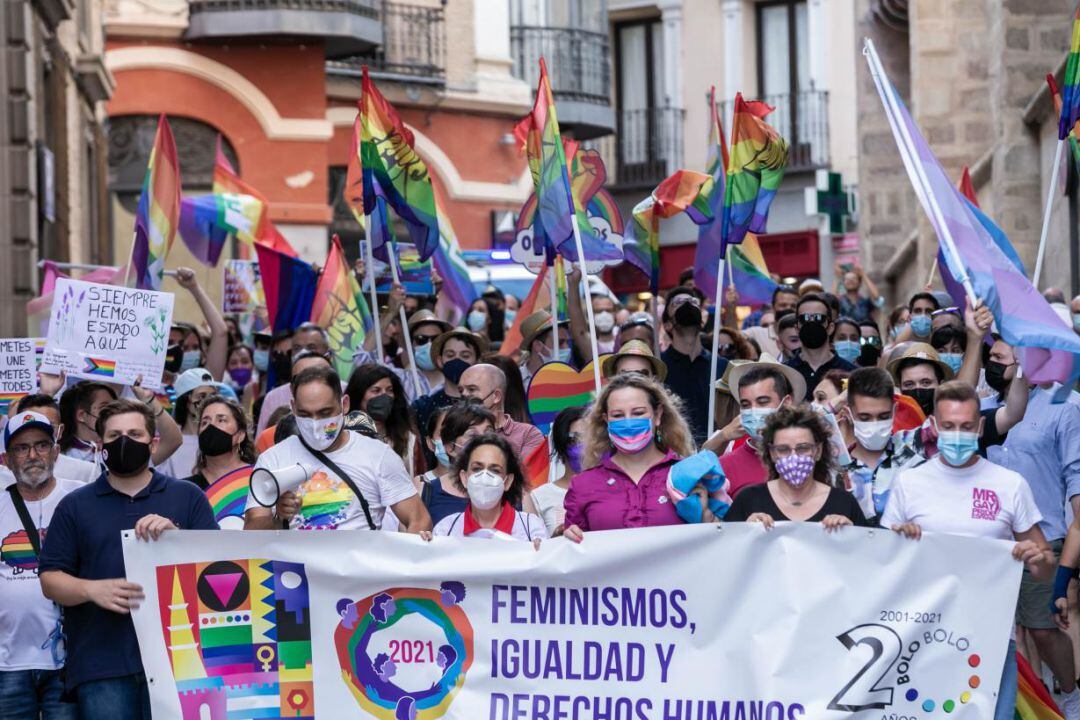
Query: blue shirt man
point(82, 561)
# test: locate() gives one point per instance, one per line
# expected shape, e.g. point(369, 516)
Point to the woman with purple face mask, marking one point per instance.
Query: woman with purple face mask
point(566, 446)
point(795, 450)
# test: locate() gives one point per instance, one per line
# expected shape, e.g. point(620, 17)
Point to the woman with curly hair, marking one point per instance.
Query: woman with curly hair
point(795, 451)
point(633, 434)
point(377, 391)
point(733, 345)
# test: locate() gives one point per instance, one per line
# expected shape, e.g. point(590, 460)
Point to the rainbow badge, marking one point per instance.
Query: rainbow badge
point(100, 367)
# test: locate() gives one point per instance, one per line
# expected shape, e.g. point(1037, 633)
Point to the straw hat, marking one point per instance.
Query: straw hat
point(794, 377)
point(724, 383)
point(459, 334)
point(425, 316)
point(634, 348)
point(918, 351)
point(535, 324)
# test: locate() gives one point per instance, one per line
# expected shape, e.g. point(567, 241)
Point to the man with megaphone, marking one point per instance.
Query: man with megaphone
point(328, 477)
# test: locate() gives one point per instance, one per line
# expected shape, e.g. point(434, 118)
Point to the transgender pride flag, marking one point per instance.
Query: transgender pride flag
point(1049, 350)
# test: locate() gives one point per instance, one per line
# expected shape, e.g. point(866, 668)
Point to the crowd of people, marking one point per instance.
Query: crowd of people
point(829, 409)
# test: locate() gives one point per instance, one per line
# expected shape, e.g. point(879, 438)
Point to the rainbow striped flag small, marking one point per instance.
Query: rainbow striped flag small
point(208, 221)
point(749, 273)
point(1033, 702)
point(758, 159)
point(458, 289)
point(158, 213)
point(100, 367)
point(337, 309)
point(1070, 108)
point(226, 181)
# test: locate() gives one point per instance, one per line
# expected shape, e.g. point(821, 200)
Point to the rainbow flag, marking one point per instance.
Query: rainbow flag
point(457, 287)
point(228, 495)
point(1070, 109)
point(158, 213)
point(336, 308)
point(1033, 702)
point(208, 221)
point(1074, 145)
point(749, 273)
point(710, 247)
point(685, 191)
point(758, 159)
point(392, 169)
point(9, 399)
point(226, 181)
point(557, 388)
point(537, 465)
point(557, 208)
point(532, 302)
point(289, 286)
point(100, 367)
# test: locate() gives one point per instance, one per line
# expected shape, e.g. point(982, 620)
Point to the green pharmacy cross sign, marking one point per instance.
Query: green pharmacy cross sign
point(832, 201)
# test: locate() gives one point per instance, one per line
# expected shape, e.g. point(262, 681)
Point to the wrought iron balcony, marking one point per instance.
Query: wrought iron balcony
point(647, 147)
point(579, 68)
point(413, 48)
point(807, 135)
point(346, 27)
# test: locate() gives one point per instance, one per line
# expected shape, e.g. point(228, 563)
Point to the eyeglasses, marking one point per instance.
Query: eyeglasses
point(802, 449)
point(40, 448)
point(813, 318)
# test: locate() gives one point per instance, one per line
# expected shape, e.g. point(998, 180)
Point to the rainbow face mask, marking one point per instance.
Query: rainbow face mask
point(320, 434)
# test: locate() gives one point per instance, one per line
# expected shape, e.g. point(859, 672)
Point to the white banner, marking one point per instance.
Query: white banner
point(687, 623)
point(108, 333)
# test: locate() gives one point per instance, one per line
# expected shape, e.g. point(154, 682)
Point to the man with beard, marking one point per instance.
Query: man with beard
point(815, 328)
point(687, 361)
point(31, 649)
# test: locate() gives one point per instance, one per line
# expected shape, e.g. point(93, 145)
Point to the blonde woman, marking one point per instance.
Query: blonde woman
point(633, 434)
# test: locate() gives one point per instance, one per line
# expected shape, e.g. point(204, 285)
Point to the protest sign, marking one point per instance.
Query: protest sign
point(108, 333)
point(694, 622)
point(242, 289)
point(415, 275)
point(18, 370)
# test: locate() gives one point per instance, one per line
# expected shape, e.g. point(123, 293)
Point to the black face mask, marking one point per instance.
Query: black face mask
point(454, 369)
point(125, 456)
point(282, 364)
point(869, 356)
point(174, 356)
point(925, 398)
point(214, 441)
point(995, 376)
point(380, 407)
point(813, 335)
point(686, 315)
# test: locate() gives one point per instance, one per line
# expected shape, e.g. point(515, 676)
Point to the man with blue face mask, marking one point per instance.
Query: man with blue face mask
point(960, 493)
point(760, 387)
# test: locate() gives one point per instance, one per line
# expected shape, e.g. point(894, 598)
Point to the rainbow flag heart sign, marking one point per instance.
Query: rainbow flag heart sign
point(557, 386)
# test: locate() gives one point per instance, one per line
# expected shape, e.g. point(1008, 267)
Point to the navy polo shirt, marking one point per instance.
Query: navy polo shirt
point(84, 541)
point(689, 379)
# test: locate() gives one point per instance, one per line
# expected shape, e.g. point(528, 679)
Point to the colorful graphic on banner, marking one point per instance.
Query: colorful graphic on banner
point(243, 289)
point(238, 637)
point(104, 332)
point(557, 386)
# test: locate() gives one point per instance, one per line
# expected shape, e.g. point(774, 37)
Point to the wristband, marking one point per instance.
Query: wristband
point(1061, 585)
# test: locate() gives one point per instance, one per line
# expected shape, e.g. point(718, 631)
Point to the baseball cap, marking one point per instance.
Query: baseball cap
point(26, 420)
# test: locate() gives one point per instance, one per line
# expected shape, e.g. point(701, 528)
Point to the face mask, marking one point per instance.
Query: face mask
point(873, 435)
point(953, 360)
point(899, 330)
point(485, 489)
point(686, 315)
point(630, 435)
point(262, 360)
point(440, 453)
point(240, 376)
point(476, 321)
point(565, 355)
point(423, 358)
point(174, 357)
point(920, 325)
point(795, 470)
point(956, 446)
point(125, 456)
point(454, 369)
point(869, 356)
point(510, 316)
point(282, 365)
point(605, 322)
point(819, 408)
point(380, 407)
point(574, 455)
point(925, 398)
point(848, 350)
point(753, 419)
point(319, 434)
point(813, 335)
point(192, 358)
point(214, 441)
point(995, 376)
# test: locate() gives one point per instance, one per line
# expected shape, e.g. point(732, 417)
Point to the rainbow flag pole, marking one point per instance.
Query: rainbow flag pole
point(394, 260)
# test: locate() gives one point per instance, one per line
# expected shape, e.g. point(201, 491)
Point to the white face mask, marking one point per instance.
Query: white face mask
point(873, 435)
point(485, 489)
point(605, 322)
point(320, 434)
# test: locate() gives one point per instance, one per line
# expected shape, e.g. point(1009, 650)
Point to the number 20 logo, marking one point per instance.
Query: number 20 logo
point(862, 691)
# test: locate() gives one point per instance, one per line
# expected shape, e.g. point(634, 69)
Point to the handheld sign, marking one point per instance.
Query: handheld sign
point(108, 333)
point(18, 370)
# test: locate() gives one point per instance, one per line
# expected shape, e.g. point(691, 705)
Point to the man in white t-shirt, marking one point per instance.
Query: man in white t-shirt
point(958, 492)
point(31, 653)
point(325, 501)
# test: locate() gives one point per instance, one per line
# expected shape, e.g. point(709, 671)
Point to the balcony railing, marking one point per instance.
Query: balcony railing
point(807, 135)
point(646, 148)
point(413, 49)
point(367, 8)
point(577, 60)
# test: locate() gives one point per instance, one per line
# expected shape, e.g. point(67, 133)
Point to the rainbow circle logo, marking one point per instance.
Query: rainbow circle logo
point(370, 675)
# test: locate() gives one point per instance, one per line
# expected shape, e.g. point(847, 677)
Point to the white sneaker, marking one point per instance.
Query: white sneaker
point(1070, 705)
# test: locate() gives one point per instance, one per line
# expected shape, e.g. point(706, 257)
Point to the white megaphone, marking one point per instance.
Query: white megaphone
point(269, 485)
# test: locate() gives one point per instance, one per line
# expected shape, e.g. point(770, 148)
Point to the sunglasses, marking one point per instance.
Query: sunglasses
point(421, 340)
point(813, 318)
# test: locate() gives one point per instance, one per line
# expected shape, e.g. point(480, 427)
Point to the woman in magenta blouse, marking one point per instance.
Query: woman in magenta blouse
point(633, 434)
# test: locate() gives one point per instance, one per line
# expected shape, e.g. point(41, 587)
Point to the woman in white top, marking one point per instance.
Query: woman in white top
point(489, 472)
point(566, 446)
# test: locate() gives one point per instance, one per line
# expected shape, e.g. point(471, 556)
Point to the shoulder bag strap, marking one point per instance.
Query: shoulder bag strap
point(321, 457)
point(24, 515)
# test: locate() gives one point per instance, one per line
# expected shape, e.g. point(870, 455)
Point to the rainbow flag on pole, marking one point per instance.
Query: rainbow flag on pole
point(289, 286)
point(392, 169)
point(226, 181)
point(749, 273)
point(207, 222)
point(158, 213)
point(1033, 702)
point(458, 289)
point(337, 307)
point(1070, 108)
point(758, 159)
